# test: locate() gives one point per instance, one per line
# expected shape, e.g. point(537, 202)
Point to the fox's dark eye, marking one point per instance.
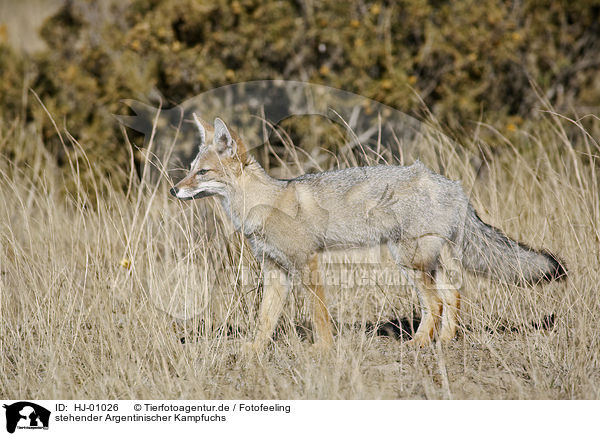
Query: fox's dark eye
point(201, 172)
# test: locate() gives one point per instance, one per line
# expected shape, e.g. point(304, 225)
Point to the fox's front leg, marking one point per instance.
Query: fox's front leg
point(275, 290)
point(321, 320)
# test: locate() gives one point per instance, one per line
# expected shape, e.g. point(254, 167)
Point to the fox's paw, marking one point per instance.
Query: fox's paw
point(420, 341)
point(446, 336)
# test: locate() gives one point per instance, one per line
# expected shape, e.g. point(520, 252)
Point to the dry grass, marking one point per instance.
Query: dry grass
point(75, 323)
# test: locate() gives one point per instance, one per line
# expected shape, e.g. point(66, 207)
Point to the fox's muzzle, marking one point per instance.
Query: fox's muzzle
point(174, 190)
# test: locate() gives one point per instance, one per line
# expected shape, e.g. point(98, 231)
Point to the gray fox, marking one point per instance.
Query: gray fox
point(421, 216)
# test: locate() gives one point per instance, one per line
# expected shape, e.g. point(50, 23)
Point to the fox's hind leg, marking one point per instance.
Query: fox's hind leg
point(422, 254)
point(451, 300)
point(321, 320)
point(431, 309)
point(448, 284)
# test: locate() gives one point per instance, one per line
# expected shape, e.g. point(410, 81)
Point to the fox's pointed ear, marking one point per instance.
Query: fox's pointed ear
point(223, 141)
point(201, 130)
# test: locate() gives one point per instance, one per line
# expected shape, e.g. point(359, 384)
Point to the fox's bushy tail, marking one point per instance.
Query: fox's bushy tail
point(487, 250)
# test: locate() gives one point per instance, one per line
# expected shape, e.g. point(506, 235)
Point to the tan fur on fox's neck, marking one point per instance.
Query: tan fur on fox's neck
point(250, 192)
point(255, 195)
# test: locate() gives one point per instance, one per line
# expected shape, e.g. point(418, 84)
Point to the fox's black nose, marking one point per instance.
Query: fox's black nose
point(173, 191)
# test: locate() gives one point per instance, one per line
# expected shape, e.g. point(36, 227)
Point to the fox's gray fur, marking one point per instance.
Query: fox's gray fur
point(419, 215)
